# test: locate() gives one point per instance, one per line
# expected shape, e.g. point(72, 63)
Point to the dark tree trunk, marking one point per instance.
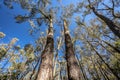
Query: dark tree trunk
point(46, 67)
point(112, 53)
point(114, 48)
point(114, 73)
point(114, 28)
point(83, 71)
point(72, 65)
point(101, 71)
point(96, 71)
point(91, 74)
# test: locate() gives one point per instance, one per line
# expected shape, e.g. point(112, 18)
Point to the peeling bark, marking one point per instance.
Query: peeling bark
point(46, 67)
point(72, 65)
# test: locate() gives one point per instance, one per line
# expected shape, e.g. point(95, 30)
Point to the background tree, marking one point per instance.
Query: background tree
point(92, 38)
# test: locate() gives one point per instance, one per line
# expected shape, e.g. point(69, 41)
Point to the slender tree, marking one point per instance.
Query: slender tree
point(112, 26)
point(114, 73)
point(95, 55)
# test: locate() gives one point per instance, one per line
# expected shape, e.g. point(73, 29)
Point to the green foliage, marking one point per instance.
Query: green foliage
point(115, 63)
point(98, 59)
point(20, 18)
point(3, 51)
point(16, 58)
point(8, 4)
point(117, 44)
point(2, 35)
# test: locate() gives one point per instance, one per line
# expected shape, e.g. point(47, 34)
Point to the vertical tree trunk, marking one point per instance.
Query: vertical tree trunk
point(72, 66)
point(46, 67)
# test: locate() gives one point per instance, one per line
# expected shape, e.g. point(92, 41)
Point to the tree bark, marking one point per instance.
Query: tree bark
point(46, 67)
point(72, 66)
point(96, 71)
point(101, 71)
point(114, 28)
point(114, 73)
point(83, 71)
point(114, 48)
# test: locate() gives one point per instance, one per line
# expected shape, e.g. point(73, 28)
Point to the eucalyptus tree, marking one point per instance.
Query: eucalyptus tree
point(91, 35)
point(11, 60)
point(46, 66)
point(115, 28)
point(72, 65)
point(94, 32)
point(92, 39)
point(40, 7)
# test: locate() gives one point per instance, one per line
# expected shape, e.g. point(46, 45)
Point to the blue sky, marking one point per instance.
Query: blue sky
point(20, 31)
point(13, 29)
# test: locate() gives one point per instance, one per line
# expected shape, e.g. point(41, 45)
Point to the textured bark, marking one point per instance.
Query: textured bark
point(114, 28)
point(46, 67)
point(72, 66)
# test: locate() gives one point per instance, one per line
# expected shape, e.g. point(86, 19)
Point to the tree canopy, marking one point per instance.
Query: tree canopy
point(74, 40)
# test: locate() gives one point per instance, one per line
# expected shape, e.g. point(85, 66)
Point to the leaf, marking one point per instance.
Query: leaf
point(8, 4)
point(117, 44)
point(28, 48)
point(2, 35)
point(39, 21)
point(32, 23)
point(3, 51)
point(20, 18)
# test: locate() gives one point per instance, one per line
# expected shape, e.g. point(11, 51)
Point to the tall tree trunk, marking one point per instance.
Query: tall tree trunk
point(112, 53)
point(46, 67)
point(101, 70)
point(72, 66)
point(114, 48)
point(95, 69)
point(114, 28)
point(114, 73)
point(91, 74)
point(82, 69)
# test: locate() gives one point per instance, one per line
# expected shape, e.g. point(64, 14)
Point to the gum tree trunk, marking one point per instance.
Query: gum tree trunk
point(72, 65)
point(46, 66)
point(114, 28)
